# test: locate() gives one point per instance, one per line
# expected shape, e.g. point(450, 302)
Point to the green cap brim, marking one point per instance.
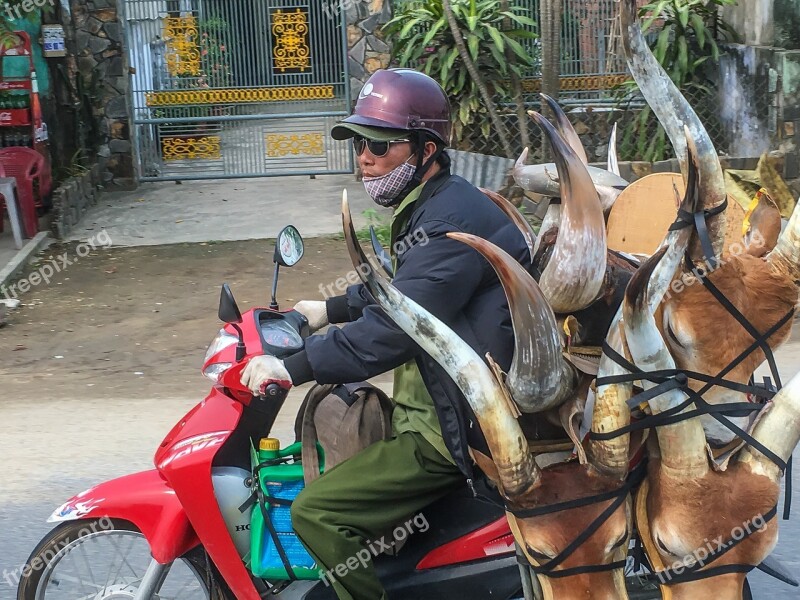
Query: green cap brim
point(344, 131)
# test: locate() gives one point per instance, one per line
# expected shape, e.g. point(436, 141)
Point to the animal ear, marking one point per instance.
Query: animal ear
point(486, 465)
point(762, 225)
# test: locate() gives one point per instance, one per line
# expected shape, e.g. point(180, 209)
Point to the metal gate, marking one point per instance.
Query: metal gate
point(592, 58)
point(237, 88)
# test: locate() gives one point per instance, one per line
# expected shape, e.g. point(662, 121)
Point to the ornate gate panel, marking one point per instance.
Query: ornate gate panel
point(237, 88)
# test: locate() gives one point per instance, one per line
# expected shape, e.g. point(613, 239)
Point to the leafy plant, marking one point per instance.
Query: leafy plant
point(383, 227)
point(422, 38)
point(76, 167)
point(215, 70)
point(686, 38)
point(787, 24)
point(214, 53)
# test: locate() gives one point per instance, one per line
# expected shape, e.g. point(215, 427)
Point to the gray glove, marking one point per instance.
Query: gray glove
point(263, 370)
point(315, 311)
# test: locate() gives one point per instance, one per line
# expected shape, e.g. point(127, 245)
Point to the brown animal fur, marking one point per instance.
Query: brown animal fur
point(549, 534)
point(681, 523)
point(701, 334)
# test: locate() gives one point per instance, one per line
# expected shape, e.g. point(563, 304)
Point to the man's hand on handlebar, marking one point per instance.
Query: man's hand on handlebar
point(264, 370)
point(315, 311)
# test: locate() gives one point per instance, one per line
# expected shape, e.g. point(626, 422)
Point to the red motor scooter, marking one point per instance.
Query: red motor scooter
point(182, 529)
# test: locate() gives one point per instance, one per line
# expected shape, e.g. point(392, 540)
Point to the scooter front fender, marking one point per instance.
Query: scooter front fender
point(145, 500)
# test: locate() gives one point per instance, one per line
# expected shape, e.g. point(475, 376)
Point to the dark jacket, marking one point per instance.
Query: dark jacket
point(448, 278)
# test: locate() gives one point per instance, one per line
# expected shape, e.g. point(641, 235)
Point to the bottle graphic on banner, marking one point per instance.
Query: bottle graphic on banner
point(39, 126)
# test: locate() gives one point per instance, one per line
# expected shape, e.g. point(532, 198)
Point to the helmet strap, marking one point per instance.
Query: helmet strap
point(422, 168)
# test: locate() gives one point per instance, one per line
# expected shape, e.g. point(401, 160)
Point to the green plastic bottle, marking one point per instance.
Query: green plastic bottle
point(281, 480)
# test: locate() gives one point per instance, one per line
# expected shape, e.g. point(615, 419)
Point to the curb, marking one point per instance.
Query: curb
point(23, 257)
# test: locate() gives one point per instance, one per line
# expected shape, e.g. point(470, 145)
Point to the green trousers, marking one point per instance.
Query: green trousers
point(379, 492)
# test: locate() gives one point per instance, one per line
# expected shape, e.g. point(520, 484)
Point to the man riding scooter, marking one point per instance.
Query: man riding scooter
point(400, 127)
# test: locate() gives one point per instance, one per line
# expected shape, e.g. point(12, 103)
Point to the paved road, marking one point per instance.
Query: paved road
point(81, 442)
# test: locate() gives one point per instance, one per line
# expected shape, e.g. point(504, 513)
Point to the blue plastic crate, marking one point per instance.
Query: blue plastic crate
point(295, 551)
point(267, 562)
point(286, 490)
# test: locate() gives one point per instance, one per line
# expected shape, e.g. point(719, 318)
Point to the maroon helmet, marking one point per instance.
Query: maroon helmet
point(400, 99)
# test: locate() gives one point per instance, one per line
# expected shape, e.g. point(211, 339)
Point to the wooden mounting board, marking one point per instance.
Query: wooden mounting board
point(645, 209)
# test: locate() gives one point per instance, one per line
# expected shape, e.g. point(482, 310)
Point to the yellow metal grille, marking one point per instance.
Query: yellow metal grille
point(239, 96)
point(283, 144)
point(579, 83)
point(290, 49)
point(183, 54)
point(181, 148)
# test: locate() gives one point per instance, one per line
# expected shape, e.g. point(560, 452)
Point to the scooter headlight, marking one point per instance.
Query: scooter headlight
point(215, 371)
point(218, 344)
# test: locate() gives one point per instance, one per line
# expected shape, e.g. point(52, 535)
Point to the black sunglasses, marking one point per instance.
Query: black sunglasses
point(377, 149)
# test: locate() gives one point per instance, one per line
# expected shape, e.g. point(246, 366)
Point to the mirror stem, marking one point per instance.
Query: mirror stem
point(274, 304)
point(241, 350)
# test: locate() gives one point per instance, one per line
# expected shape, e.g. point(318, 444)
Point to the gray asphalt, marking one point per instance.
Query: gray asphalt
point(77, 448)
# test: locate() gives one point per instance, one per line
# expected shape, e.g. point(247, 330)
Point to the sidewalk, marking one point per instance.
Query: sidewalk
point(225, 210)
point(204, 211)
point(12, 261)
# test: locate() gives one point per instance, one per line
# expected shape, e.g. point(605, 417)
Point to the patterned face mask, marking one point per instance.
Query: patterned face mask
point(385, 189)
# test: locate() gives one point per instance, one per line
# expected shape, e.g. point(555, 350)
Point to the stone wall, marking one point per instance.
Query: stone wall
point(367, 51)
point(73, 198)
point(94, 38)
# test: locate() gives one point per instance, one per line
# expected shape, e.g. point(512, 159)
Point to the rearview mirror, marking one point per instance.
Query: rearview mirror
point(228, 311)
point(289, 247)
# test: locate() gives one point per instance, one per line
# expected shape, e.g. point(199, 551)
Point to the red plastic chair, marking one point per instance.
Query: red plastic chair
point(8, 189)
point(29, 218)
point(27, 166)
point(32, 163)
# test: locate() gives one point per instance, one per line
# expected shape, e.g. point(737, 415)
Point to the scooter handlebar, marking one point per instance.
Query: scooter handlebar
point(274, 392)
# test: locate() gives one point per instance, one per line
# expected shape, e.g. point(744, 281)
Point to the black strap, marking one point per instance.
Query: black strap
point(698, 220)
point(635, 374)
point(262, 502)
point(754, 333)
point(675, 414)
point(619, 495)
point(583, 569)
point(525, 513)
point(697, 570)
point(548, 568)
point(717, 411)
point(787, 491)
point(706, 573)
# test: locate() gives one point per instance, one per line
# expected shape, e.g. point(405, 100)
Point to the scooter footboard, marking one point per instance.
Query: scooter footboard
point(145, 500)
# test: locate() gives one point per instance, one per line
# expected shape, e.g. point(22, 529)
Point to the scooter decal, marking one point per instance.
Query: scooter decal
point(75, 508)
point(194, 444)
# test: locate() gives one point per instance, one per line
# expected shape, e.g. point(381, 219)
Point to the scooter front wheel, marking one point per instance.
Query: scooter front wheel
point(101, 559)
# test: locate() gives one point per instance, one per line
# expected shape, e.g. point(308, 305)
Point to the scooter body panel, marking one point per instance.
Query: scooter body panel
point(185, 459)
point(144, 499)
